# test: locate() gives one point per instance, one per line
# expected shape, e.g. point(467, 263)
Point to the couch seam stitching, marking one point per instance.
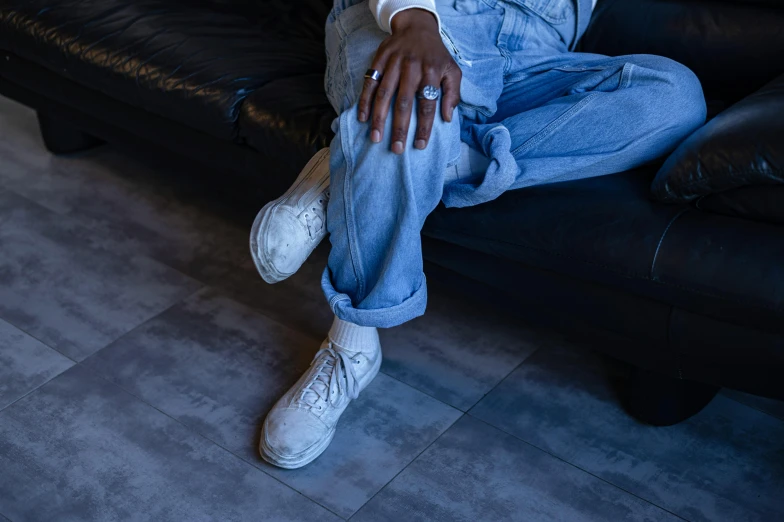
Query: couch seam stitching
point(661, 240)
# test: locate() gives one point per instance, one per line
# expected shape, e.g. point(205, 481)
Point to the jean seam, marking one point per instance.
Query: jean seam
point(348, 213)
point(553, 125)
point(502, 40)
point(339, 24)
point(626, 76)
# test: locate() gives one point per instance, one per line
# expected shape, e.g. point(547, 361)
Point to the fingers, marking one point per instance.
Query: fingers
point(370, 86)
point(406, 99)
point(382, 99)
point(426, 110)
point(451, 92)
point(405, 78)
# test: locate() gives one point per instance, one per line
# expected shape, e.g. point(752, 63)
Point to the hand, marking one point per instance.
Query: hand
point(410, 58)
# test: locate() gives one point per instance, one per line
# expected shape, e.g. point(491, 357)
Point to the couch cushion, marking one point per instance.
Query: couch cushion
point(602, 229)
point(193, 61)
point(734, 46)
point(607, 230)
point(742, 146)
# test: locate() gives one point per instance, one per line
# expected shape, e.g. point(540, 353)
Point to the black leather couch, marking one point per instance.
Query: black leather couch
point(683, 278)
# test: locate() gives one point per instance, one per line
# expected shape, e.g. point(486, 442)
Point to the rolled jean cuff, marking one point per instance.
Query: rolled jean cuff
point(341, 305)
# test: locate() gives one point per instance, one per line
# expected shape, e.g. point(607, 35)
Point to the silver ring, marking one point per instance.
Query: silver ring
point(430, 92)
point(373, 74)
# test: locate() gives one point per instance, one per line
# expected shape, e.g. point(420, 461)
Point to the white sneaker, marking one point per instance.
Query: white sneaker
point(302, 423)
point(289, 228)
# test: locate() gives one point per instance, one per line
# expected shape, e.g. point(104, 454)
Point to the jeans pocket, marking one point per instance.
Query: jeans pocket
point(451, 46)
point(551, 11)
point(472, 7)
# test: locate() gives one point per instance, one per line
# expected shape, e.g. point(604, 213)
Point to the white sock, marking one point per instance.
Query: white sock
point(352, 337)
point(472, 163)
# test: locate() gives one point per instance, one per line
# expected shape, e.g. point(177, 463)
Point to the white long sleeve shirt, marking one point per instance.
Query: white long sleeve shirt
point(384, 10)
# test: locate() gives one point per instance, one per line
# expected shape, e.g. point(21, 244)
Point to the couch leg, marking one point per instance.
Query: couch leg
point(61, 138)
point(660, 400)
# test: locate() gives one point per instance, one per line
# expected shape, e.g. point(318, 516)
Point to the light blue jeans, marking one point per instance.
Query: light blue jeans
point(540, 113)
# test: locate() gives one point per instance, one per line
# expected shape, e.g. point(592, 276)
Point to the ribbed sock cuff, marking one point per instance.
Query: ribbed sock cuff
point(352, 337)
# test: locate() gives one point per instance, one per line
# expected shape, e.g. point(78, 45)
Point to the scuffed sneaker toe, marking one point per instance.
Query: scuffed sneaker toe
point(302, 423)
point(288, 229)
point(286, 244)
point(291, 435)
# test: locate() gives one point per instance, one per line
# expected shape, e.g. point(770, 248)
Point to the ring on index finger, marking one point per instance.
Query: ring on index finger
point(373, 74)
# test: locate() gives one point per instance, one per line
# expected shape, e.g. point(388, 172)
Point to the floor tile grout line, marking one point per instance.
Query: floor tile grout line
point(469, 413)
point(149, 319)
point(71, 213)
point(86, 228)
point(575, 466)
point(77, 363)
point(47, 380)
point(36, 388)
point(502, 379)
point(382, 488)
point(37, 339)
point(468, 408)
point(202, 285)
point(404, 383)
point(208, 439)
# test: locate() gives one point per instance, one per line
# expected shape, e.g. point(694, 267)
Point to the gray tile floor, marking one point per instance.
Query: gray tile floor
point(139, 352)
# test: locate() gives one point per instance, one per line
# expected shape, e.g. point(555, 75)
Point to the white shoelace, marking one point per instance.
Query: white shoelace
point(336, 372)
point(315, 218)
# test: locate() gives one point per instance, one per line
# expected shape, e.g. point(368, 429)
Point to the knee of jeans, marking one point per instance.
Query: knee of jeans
point(680, 94)
point(443, 144)
point(373, 173)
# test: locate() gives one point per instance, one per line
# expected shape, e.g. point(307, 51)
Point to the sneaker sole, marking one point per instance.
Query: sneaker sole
point(301, 460)
point(316, 450)
point(260, 225)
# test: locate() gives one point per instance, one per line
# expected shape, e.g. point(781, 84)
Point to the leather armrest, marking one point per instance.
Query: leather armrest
point(742, 146)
